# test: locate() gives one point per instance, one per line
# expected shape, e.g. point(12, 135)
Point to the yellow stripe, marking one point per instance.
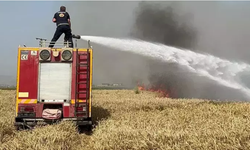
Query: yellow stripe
point(27, 101)
point(90, 102)
point(30, 48)
point(73, 101)
point(82, 49)
point(17, 79)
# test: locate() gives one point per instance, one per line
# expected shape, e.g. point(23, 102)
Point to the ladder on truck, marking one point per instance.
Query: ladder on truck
point(83, 112)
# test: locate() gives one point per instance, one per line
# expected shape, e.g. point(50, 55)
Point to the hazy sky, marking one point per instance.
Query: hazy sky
point(21, 23)
point(24, 21)
point(224, 29)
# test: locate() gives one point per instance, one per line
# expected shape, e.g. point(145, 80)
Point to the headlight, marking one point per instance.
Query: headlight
point(44, 55)
point(66, 55)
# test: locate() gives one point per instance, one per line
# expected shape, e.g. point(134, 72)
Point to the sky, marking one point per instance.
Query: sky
point(223, 30)
point(22, 22)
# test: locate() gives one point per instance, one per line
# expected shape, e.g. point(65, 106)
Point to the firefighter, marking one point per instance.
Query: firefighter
point(65, 41)
point(62, 20)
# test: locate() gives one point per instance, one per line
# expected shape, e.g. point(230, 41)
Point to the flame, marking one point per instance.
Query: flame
point(162, 92)
point(141, 88)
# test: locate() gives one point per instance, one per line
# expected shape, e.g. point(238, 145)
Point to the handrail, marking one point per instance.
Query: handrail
point(43, 42)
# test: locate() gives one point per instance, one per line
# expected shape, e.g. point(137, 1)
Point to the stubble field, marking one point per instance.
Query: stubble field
point(125, 120)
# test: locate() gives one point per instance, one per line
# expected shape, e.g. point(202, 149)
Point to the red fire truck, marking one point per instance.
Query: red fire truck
point(53, 84)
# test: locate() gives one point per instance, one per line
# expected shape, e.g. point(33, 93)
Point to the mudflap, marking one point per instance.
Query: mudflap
point(84, 126)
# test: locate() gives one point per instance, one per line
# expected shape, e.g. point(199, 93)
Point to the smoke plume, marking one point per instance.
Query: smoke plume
point(164, 25)
point(218, 28)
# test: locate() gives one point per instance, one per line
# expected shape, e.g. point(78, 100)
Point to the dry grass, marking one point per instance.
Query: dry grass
point(137, 121)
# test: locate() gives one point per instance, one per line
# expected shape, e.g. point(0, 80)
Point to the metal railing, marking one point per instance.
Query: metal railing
point(44, 42)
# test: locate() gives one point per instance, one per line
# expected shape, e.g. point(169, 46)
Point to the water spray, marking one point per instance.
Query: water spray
point(222, 71)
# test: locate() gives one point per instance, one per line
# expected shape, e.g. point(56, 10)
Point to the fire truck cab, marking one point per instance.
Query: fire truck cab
point(53, 84)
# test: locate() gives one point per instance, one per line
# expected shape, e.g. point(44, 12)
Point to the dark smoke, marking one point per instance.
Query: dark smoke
point(163, 25)
point(218, 28)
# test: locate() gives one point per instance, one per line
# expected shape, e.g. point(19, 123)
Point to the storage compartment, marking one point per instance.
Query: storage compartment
point(55, 82)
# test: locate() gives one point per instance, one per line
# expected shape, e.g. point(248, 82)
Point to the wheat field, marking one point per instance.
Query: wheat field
point(125, 120)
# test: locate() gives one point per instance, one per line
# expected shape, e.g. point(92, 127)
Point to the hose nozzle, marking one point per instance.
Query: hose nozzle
point(76, 36)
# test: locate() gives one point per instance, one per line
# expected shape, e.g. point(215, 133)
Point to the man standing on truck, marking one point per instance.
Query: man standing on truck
point(62, 20)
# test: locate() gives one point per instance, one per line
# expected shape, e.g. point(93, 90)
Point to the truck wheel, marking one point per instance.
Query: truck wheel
point(19, 127)
point(87, 129)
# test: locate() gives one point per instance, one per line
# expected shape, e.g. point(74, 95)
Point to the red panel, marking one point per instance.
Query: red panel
point(20, 105)
point(28, 76)
point(65, 111)
point(38, 108)
point(82, 77)
point(39, 111)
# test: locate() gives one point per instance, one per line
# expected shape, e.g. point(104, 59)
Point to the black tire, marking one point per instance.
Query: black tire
point(20, 127)
point(87, 129)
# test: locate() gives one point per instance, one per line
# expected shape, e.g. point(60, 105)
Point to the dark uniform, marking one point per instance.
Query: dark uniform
point(63, 26)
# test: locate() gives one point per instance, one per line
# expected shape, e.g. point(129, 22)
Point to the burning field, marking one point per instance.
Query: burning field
point(125, 120)
point(160, 90)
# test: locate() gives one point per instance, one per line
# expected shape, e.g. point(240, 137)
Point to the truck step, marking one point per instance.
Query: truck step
point(83, 64)
point(82, 82)
point(82, 92)
point(82, 72)
point(81, 103)
point(81, 112)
